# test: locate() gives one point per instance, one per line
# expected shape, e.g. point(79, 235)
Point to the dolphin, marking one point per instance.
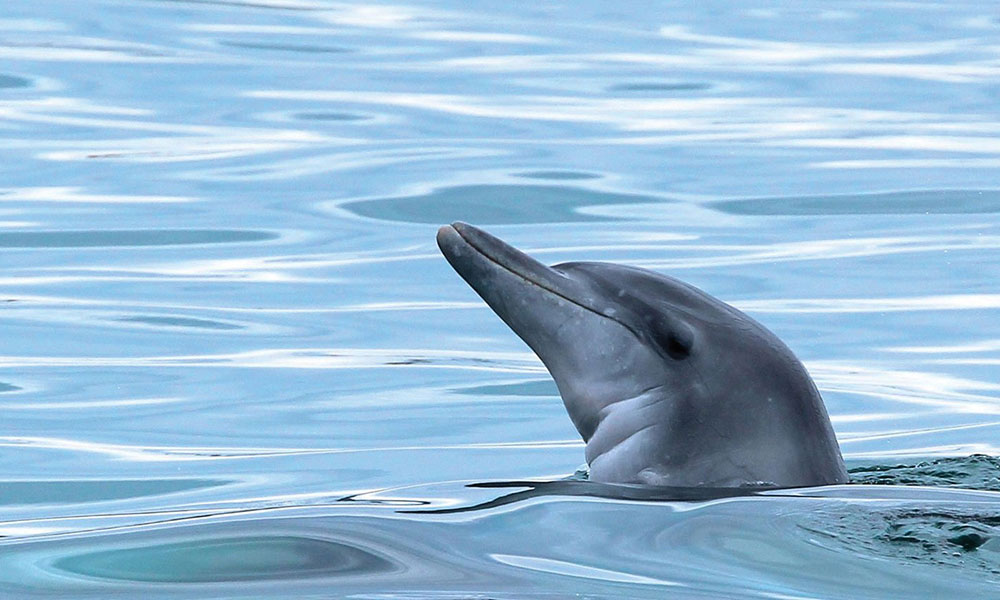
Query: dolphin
point(667, 385)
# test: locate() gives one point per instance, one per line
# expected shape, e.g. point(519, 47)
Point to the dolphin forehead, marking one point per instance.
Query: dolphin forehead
point(641, 290)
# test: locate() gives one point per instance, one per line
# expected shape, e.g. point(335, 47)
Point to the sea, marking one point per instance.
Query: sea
point(234, 364)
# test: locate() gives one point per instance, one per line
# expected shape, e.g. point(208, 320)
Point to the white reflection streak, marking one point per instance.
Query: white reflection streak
point(731, 59)
point(161, 150)
point(345, 161)
point(87, 404)
point(949, 73)
point(190, 454)
point(17, 108)
point(939, 143)
point(83, 49)
point(823, 250)
point(544, 108)
point(940, 391)
point(559, 567)
point(372, 16)
point(39, 301)
point(182, 142)
point(403, 306)
point(872, 305)
point(888, 435)
point(75, 195)
point(255, 29)
point(28, 530)
point(478, 37)
point(308, 358)
point(280, 268)
point(869, 417)
point(872, 59)
point(909, 163)
point(928, 451)
point(798, 51)
point(983, 346)
point(265, 268)
point(774, 121)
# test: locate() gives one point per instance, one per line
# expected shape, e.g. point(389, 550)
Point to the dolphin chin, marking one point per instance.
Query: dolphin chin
point(666, 384)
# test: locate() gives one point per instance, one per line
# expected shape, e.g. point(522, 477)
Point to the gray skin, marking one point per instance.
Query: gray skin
point(667, 385)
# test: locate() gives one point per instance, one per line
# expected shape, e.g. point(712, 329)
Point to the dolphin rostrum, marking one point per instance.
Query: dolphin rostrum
point(667, 385)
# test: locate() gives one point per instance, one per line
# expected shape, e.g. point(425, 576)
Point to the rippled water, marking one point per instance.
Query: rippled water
point(234, 364)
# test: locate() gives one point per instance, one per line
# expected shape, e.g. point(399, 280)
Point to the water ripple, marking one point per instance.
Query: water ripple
point(76, 195)
point(305, 358)
point(227, 560)
point(119, 238)
point(829, 169)
point(569, 569)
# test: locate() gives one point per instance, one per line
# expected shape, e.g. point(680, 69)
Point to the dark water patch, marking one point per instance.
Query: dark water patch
point(937, 535)
point(307, 48)
point(975, 472)
point(494, 205)
point(660, 86)
point(330, 116)
point(79, 491)
point(558, 175)
point(574, 486)
point(6, 387)
point(180, 322)
point(12, 81)
point(228, 559)
point(540, 388)
point(128, 237)
point(930, 202)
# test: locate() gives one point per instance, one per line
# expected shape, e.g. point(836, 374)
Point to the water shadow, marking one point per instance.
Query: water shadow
point(128, 237)
point(307, 48)
point(940, 535)
point(558, 175)
point(180, 322)
point(975, 472)
point(14, 493)
point(657, 86)
point(495, 205)
point(540, 388)
point(589, 489)
point(227, 559)
point(931, 202)
point(13, 81)
point(330, 116)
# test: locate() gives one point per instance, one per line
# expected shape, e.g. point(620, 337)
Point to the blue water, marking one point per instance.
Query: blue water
point(234, 364)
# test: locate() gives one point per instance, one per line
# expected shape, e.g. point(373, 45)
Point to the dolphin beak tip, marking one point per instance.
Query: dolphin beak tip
point(449, 234)
point(447, 238)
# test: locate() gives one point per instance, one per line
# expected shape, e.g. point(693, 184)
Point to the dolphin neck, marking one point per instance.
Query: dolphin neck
point(622, 419)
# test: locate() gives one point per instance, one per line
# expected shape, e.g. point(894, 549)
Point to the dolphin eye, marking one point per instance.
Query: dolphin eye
point(677, 348)
point(674, 338)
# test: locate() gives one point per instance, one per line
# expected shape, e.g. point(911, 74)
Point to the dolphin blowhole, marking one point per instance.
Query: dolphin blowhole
point(666, 384)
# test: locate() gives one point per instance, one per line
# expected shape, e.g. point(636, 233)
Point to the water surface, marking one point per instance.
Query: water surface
point(235, 365)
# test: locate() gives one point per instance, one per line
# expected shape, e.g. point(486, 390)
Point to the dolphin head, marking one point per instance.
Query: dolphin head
point(666, 384)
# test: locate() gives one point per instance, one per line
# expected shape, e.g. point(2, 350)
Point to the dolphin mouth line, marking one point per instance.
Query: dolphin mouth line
point(534, 280)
